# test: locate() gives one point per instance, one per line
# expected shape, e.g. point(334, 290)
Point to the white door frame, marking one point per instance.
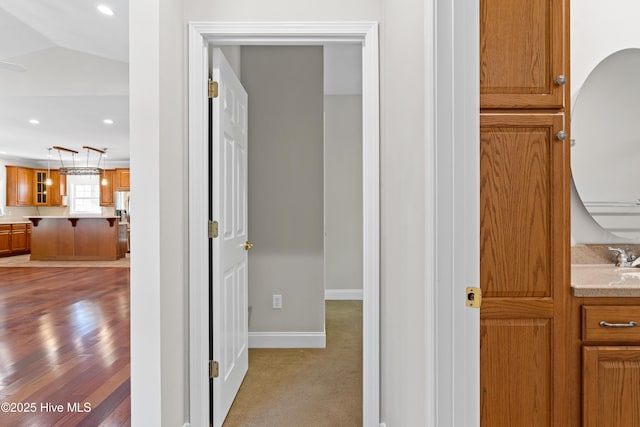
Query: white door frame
point(285, 33)
point(452, 166)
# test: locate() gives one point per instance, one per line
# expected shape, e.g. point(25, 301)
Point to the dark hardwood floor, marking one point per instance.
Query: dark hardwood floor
point(64, 347)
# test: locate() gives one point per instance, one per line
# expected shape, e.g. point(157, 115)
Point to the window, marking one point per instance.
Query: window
point(84, 194)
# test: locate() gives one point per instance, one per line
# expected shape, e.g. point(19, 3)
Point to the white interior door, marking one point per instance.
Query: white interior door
point(229, 322)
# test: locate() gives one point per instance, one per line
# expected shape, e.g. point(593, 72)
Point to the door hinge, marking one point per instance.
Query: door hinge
point(474, 297)
point(213, 89)
point(213, 229)
point(213, 369)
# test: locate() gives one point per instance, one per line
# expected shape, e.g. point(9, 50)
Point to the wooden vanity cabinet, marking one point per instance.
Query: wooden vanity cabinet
point(611, 363)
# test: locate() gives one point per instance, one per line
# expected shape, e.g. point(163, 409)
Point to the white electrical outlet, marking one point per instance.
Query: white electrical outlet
point(277, 301)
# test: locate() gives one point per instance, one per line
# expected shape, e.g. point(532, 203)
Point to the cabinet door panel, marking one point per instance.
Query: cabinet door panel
point(521, 51)
point(5, 239)
point(515, 359)
point(519, 201)
point(611, 389)
point(19, 237)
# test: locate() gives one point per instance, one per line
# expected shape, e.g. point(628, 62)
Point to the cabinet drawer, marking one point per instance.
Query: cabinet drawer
point(618, 315)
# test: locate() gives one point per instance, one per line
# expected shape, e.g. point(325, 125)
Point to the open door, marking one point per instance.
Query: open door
point(229, 244)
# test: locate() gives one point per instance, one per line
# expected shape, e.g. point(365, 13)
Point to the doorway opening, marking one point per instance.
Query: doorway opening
point(200, 37)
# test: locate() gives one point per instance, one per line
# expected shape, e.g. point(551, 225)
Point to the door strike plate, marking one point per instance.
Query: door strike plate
point(474, 297)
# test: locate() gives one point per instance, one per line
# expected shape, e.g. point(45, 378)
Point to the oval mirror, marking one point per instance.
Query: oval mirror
point(605, 158)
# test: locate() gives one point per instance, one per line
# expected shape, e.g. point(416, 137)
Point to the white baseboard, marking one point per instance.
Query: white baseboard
point(343, 294)
point(287, 340)
point(383, 425)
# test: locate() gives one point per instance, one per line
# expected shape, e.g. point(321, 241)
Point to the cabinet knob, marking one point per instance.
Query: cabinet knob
point(561, 136)
point(561, 80)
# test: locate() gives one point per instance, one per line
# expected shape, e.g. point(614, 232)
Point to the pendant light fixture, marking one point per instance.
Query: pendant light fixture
point(80, 170)
point(48, 182)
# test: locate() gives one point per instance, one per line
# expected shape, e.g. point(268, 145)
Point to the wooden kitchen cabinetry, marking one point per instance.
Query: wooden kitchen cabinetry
point(15, 239)
point(27, 187)
point(5, 239)
point(40, 188)
point(611, 364)
point(58, 188)
point(122, 182)
point(19, 186)
point(524, 216)
point(106, 191)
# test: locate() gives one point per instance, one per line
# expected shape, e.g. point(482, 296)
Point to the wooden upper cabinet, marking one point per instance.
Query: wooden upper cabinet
point(106, 191)
point(19, 186)
point(122, 182)
point(522, 58)
point(40, 188)
point(57, 189)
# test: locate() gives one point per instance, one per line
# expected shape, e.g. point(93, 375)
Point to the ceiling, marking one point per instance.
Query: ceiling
point(76, 76)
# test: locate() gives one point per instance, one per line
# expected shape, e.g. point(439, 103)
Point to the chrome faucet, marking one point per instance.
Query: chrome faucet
point(623, 259)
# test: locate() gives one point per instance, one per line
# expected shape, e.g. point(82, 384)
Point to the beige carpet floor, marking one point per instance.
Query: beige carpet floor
point(23, 261)
point(307, 387)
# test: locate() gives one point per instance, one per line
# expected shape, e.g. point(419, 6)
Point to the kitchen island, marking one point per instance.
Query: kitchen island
point(76, 238)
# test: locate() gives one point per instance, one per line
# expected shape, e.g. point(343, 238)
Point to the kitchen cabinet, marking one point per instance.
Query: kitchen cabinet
point(5, 239)
point(611, 366)
point(523, 47)
point(27, 187)
point(19, 186)
point(40, 188)
point(58, 188)
point(526, 376)
point(15, 239)
point(19, 238)
point(122, 182)
point(106, 190)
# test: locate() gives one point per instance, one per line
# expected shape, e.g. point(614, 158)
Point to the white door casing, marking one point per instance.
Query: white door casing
point(281, 33)
point(229, 299)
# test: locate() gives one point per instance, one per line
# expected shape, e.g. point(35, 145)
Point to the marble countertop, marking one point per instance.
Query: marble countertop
point(604, 280)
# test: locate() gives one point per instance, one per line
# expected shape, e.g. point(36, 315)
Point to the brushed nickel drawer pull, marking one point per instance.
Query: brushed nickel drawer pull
point(631, 324)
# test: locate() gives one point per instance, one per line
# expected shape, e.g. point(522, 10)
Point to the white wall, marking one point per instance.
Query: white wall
point(158, 143)
point(343, 193)
point(599, 29)
point(284, 84)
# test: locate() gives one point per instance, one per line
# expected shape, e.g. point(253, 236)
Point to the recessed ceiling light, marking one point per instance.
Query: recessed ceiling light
point(34, 121)
point(107, 121)
point(105, 10)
